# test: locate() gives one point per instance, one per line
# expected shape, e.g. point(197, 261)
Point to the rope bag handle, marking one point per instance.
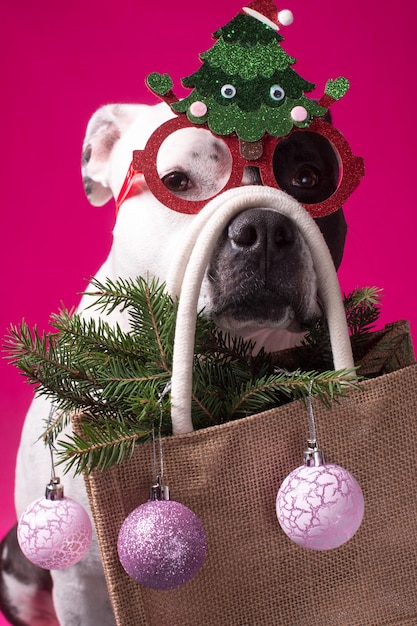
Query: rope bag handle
point(190, 265)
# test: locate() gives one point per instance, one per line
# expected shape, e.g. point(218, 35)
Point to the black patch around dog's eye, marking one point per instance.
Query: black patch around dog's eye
point(176, 181)
point(306, 166)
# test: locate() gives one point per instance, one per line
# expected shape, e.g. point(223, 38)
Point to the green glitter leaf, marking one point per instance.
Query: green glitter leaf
point(160, 84)
point(336, 89)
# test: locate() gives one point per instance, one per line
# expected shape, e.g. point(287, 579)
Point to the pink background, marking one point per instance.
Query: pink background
point(62, 60)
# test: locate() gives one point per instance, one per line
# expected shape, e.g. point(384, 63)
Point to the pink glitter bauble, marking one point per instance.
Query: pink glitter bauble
point(320, 507)
point(54, 534)
point(162, 544)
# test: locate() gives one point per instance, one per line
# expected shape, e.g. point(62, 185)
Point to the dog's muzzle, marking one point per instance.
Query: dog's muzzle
point(261, 273)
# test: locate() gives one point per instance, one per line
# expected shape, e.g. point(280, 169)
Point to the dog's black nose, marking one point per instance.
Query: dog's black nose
point(262, 229)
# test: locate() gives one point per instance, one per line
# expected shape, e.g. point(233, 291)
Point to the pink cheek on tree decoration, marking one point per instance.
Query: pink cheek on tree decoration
point(54, 534)
point(299, 114)
point(320, 507)
point(198, 109)
point(162, 544)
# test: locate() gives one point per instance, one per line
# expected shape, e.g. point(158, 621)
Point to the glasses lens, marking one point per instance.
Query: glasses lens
point(307, 167)
point(193, 165)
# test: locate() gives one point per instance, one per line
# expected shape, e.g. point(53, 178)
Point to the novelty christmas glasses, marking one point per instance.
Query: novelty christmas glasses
point(248, 97)
point(321, 187)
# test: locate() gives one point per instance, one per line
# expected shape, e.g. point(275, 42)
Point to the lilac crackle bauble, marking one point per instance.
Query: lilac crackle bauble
point(162, 544)
point(54, 534)
point(320, 507)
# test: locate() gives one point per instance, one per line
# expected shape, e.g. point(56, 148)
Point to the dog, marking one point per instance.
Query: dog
point(260, 284)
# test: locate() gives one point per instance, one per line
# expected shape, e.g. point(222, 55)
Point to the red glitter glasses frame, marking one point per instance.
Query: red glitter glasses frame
point(144, 164)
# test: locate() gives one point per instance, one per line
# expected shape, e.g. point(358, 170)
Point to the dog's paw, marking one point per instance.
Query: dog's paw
point(160, 84)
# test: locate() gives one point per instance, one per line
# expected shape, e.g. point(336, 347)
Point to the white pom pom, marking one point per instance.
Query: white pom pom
point(285, 17)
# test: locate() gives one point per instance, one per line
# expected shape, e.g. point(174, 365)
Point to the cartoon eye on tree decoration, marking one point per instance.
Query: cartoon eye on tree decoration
point(246, 84)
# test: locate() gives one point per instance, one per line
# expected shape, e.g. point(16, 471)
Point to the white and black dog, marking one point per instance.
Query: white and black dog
point(260, 283)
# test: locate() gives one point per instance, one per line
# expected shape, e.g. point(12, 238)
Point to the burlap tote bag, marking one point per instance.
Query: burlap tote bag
point(229, 476)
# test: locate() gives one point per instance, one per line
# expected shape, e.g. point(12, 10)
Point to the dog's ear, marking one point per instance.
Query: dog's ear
point(103, 130)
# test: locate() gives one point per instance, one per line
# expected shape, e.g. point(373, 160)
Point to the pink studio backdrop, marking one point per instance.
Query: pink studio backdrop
point(61, 61)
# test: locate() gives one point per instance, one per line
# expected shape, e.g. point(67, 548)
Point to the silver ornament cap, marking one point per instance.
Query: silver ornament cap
point(313, 455)
point(159, 491)
point(54, 490)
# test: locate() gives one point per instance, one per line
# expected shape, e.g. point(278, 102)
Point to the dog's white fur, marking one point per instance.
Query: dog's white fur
point(146, 238)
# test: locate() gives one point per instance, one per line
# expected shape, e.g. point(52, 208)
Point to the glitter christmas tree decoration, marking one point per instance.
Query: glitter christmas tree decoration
point(247, 94)
point(54, 532)
point(246, 83)
point(162, 544)
point(319, 505)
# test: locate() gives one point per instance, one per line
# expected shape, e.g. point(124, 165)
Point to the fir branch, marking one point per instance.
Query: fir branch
point(100, 446)
point(153, 313)
point(48, 366)
point(362, 310)
point(362, 307)
point(270, 389)
point(114, 378)
point(95, 336)
point(29, 351)
point(54, 425)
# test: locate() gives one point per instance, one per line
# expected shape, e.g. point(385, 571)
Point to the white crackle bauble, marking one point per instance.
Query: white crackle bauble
point(162, 544)
point(320, 507)
point(54, 534)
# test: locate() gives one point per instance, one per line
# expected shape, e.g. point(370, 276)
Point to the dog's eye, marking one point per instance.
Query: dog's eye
point(306, 177)
point(176, 181)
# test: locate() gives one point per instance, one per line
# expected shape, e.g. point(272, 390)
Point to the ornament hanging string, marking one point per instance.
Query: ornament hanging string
point(312, 440)
point(313, 455)
point(312, 444)
point(159, 467)
point(49, 442)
